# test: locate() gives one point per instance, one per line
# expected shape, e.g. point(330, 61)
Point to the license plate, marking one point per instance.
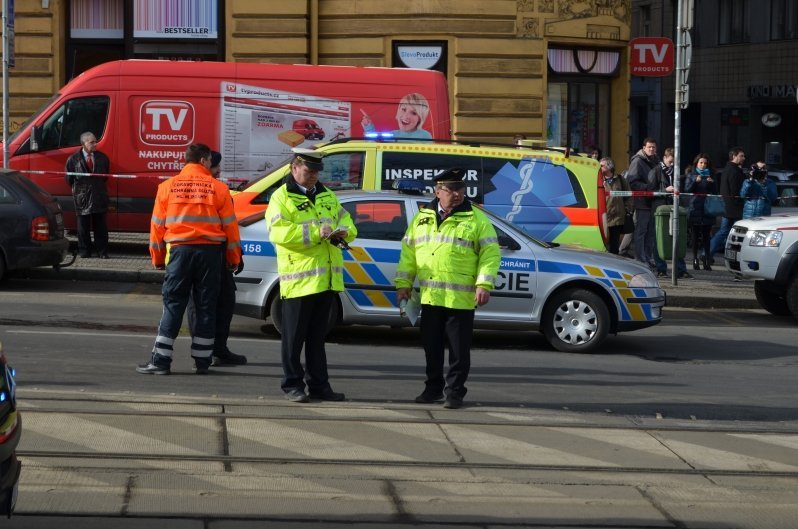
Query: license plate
point(731, 255)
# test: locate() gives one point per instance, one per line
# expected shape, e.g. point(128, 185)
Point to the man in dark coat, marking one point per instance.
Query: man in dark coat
point(731, 183)
point(86, 175)
point(644, 162)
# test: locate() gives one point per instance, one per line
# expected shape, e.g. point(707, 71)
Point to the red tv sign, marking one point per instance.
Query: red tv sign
point(167, 123)
point(651, 56)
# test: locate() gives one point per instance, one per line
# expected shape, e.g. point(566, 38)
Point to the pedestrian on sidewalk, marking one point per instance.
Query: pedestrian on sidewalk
point(86, 173)
point(759, 193)
point(663, 180)
point(225, 304)
point(617, 207)
point(641, 166)
point(308, 227)
point(452, 248)
point(700, 182)
point(731, 184)
point(194, 215)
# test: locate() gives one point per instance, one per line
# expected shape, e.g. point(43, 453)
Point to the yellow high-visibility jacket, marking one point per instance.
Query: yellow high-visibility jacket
point(306, 263)
point(449, 259)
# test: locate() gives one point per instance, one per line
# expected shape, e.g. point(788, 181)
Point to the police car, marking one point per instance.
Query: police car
point(575, 297)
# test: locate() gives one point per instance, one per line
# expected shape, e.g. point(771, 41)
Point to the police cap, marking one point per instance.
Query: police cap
point(216, 159)
point(310, 158)
point(451, 178)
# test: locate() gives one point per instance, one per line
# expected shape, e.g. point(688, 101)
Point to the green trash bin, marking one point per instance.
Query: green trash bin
point(664, 232)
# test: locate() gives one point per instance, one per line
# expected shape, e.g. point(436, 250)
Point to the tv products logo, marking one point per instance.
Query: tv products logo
point(167, 123)
point(651, 56)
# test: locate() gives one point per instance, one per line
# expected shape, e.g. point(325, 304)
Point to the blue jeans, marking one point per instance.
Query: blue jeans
point(193, 269)
point(718, 241)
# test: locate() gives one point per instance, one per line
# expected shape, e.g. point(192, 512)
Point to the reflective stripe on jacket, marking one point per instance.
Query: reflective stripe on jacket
point(451, 259)
point(194, 208)
point(307, 264)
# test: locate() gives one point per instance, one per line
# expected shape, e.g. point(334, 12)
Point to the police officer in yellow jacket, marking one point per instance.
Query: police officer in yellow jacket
point(308, 227)
point(452, 249)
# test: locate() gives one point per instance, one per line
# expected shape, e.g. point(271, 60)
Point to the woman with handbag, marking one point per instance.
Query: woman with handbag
point(700, 181)
point(618, 208)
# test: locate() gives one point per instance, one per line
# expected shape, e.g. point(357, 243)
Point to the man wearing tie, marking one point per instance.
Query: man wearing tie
point(86, 174)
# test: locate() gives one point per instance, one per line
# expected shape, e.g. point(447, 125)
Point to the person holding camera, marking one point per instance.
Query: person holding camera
point(759, 192)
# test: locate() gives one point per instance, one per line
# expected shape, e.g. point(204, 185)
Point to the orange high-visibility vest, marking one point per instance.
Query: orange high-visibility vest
point(194, 208)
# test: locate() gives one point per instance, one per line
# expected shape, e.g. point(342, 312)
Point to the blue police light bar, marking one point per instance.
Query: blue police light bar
point(409, 186)
point(379, 135)
point(2, 396)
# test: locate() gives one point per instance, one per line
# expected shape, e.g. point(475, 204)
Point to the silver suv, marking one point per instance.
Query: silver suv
point(766, 249)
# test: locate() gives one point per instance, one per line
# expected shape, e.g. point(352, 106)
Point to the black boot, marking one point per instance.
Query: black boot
point(695, 264)
point(706, 264)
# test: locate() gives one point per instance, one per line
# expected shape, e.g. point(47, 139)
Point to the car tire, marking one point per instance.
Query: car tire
point(276, 314)
point(575, 321)
point(792, 296)
point(769, 299)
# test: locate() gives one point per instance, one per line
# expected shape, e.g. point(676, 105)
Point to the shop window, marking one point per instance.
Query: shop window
point(784, 19)
point(577, 115)
point(733, 21)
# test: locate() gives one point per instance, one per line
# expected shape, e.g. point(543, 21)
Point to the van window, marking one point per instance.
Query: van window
point(64, 126)
point(381, 220)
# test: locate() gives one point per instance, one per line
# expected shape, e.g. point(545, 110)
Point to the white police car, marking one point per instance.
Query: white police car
point(575, 297)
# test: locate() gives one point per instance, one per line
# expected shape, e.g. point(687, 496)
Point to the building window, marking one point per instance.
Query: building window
point(645, 21)
point(784, 19)
point(107, 30)
point(733, 23)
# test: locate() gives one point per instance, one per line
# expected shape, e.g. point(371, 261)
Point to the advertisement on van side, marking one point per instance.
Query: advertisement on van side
point(260, 126)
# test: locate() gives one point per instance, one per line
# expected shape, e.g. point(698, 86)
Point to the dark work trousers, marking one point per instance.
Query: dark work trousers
point(225, 306)
point(193, 270)
point(614, 238)
point(305, 323)
point(85, 224)
point(440, 326)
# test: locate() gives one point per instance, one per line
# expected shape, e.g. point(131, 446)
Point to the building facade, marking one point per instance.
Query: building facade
point(551, 70)
point(743, 81)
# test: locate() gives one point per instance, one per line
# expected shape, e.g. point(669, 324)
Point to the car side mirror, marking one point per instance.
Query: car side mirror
point(508, 243)
point(35, 138)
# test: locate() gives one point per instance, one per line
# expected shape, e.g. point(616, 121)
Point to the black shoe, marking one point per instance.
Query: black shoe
point(104, 255)
point(228, 358)
point(662, 274)
point(201, 370)
point(151, 369)
point(696, 265)
point(707, 268)
point(84, 255)
point(296, 395)
point(327, 395)
point(453, 403)
point(429, 398)
point(685, 275)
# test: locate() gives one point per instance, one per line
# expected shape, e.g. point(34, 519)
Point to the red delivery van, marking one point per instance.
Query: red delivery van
point(145, 113)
